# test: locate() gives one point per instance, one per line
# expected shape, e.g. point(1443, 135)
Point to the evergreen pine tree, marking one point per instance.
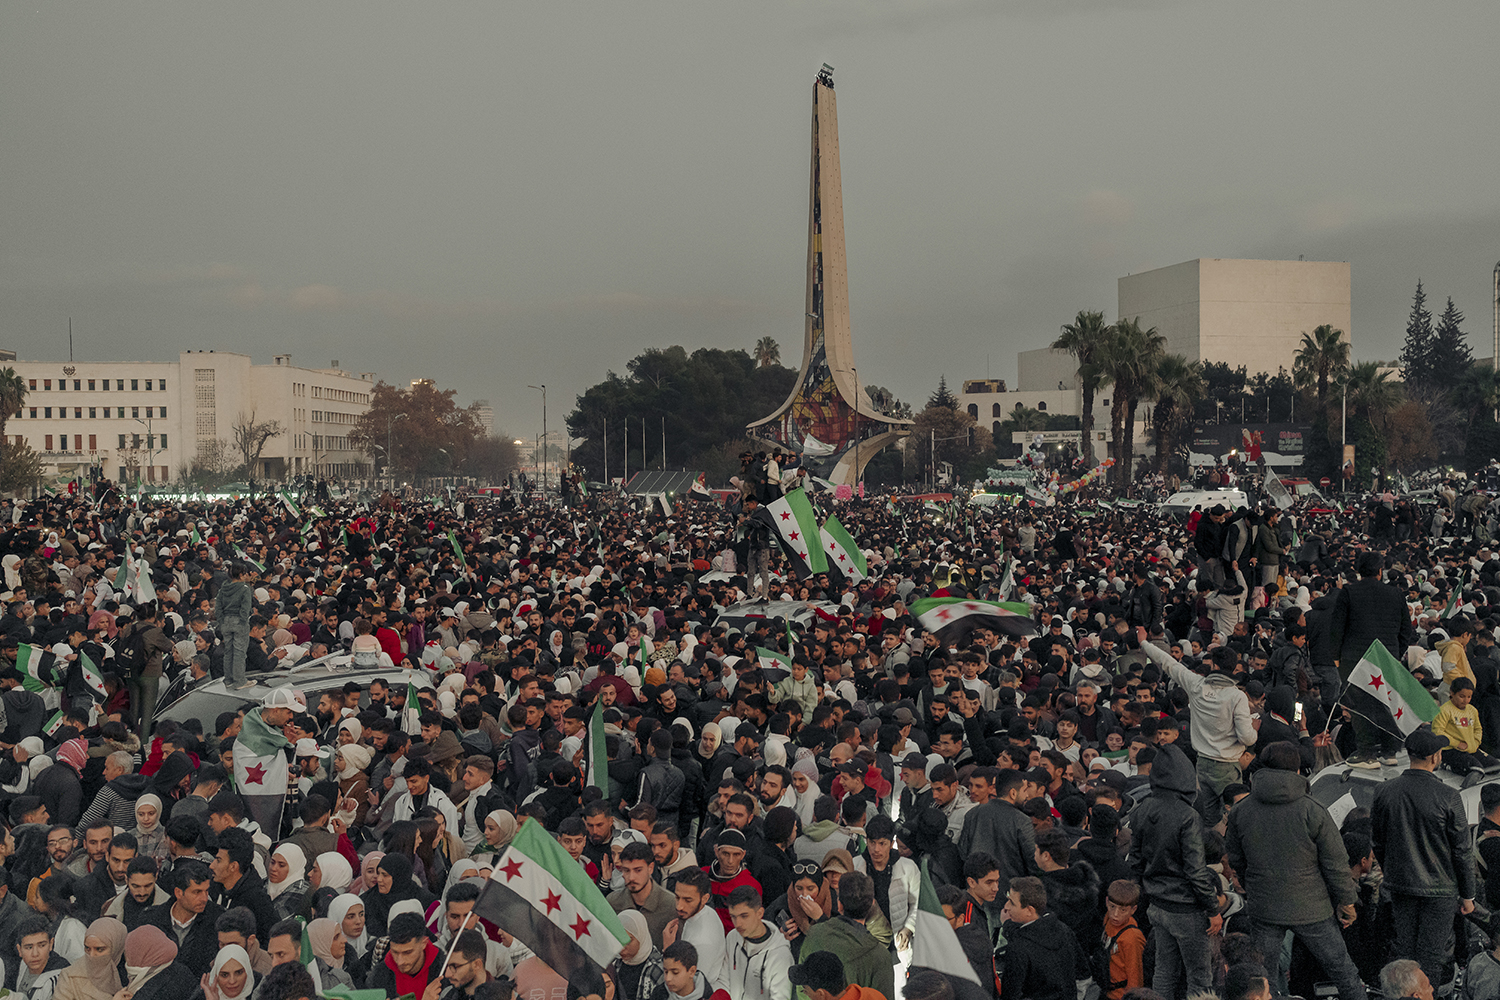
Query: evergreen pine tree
point(944, 396)
point(1449, 355)
point(1416, 352)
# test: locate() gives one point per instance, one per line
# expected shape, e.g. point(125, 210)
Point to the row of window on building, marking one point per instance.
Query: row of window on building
point(136, 384)
point(94, 412)
point(337, 395)
point(135, 441)
point(329, 417)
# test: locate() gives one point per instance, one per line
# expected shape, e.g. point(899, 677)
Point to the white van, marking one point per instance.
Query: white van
point(1181, 504)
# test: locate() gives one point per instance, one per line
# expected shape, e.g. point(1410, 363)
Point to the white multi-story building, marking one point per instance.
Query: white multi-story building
point(155, 419)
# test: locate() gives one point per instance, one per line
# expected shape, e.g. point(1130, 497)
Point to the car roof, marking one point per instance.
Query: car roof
point(1340, 785)
point(327, 673)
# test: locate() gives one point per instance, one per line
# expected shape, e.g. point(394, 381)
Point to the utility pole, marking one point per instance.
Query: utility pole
point(606, 453)
point(543, 390)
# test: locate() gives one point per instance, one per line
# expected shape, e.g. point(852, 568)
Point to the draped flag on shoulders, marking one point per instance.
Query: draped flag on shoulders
point(952, 617)
point(260, 771)
point(1386, 694)
point(546, 900)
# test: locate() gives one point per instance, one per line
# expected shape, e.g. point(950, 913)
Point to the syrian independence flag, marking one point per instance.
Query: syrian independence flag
point(125, 575)
point(596, 756)
point(776, 666)
point(666, 504)
point(699, 490)
point(796, 525)
point(54, 723)
point(92, 677)
point(291, 507)
point(411, 716)
point(539, 894)
point(933, 943)
point(38, 667)
point(1385, 693)
point(951, 618)
point(458, 551)
point(1455, 599)
point(843, 552)
point(260, 771)
point(195, 538)
point(145, 590)
point(1008, 580)
point(241, 553)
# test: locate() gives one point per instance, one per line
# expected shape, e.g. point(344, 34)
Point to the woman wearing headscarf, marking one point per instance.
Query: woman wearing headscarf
point(95, 975)
point(808, 901)
point(708, 747)
point(350, 731)
point(150, 834)
point(286, 879)
point(231, 975)
point(638, 971)
point(152, 967)
point(328, 948)
point(366, 880)
point(348, 912)
point(349, 762)
point(393, 884)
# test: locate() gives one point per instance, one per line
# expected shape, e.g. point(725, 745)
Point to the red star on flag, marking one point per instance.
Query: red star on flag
point(945, 614)
point(512, 869)
point(794, 536)
point(786, 515)
point(1400, 712)
point(1376, 682)
point(255, 774)
point(843, 558)
point(579, 927)
point(553, 901)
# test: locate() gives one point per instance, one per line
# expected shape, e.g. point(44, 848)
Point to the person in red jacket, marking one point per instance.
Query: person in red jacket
point(728, 872)
point(411, 961)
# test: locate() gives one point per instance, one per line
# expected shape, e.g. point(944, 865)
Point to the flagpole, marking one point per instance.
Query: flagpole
point(454, 944)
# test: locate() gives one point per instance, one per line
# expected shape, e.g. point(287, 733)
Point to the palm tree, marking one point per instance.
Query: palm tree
point(767, 352)
point(1129, 361)
point(12, 395)
point(1083, 338)
point(1323, 357)
point(1178, 387)
point(1371, 393)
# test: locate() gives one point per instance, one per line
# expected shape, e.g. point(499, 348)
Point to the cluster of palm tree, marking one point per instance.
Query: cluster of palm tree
point(1134, 363)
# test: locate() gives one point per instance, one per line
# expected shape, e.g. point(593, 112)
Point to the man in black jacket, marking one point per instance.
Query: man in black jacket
point(1041, 952)
point(1420, 832)
point(236, 882)
point(189, 918)
point(100, 887)
point(1143, 602)
point(1321, 651)
point(1367, 611)
point(662, 783)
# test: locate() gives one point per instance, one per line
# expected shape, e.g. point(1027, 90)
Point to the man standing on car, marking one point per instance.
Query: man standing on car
point(1420, 832)
point(1363, 612)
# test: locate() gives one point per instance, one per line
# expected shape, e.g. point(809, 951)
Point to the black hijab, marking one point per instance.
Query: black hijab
point(378, 904)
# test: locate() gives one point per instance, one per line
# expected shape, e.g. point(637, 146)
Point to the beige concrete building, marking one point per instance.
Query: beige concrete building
point(154, 418)
point(1240, 312)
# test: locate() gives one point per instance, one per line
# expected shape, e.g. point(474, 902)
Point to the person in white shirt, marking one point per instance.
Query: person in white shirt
point(698, 924)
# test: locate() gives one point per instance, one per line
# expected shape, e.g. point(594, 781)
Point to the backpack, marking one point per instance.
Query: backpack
point(130, 652)
point(1099, 961)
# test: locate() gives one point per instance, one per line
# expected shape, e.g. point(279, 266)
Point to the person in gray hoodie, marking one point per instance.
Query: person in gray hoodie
point(1221, 730)
point(232, 611)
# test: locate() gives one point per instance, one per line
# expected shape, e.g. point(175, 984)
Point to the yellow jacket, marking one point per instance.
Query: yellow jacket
point(1461, 726)
point(1455, 660)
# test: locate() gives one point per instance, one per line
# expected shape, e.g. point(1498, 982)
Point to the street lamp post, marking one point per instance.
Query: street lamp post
point(543, 390)
point(390, 421)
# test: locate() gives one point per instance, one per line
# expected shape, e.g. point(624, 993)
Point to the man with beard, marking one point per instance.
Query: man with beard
point(59, 849)
point(141, 893)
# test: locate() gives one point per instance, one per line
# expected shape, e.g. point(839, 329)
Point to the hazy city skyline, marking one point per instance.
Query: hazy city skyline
point(493, 196)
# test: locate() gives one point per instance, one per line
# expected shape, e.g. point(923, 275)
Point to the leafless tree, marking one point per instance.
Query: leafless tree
point(251, 437)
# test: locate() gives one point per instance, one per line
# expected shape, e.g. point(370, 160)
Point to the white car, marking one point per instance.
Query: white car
point(1182, 503)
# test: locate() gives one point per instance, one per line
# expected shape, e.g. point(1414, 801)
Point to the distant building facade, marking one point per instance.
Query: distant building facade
point(154, 419)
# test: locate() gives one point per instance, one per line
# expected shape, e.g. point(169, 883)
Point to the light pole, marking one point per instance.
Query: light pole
point(390, 421)
point(150, 441)
point(543, 390)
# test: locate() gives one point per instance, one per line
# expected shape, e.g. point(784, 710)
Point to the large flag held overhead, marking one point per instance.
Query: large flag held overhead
point(260, 771)
point(291, 507)
point(1455, 599)
point(1276, 490)
point(950, 618)
point(539, 894)
point(595, 754)
point(796, 526)
point(1383, 691)
point(933, 943)
point(842, 551)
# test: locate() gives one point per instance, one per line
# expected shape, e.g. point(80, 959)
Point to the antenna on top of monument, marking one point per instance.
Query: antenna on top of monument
point(825, 76)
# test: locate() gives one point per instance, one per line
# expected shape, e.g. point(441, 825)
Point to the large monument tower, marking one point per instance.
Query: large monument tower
point(828, 419)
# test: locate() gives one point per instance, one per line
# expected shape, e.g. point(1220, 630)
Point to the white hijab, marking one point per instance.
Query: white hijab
point(296, 862)
point(338, 910)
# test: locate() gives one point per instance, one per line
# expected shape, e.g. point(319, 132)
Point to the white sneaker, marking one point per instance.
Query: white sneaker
point(1362, 761)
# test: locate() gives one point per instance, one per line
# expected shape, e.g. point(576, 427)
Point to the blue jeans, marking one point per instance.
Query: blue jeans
point(1326, 942)
point(236, 645)
point(1181, 952)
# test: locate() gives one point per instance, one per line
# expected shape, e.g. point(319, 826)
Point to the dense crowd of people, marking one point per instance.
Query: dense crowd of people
point(1107, 796)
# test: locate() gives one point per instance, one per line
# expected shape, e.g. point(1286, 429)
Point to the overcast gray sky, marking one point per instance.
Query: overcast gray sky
point(496, 194)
